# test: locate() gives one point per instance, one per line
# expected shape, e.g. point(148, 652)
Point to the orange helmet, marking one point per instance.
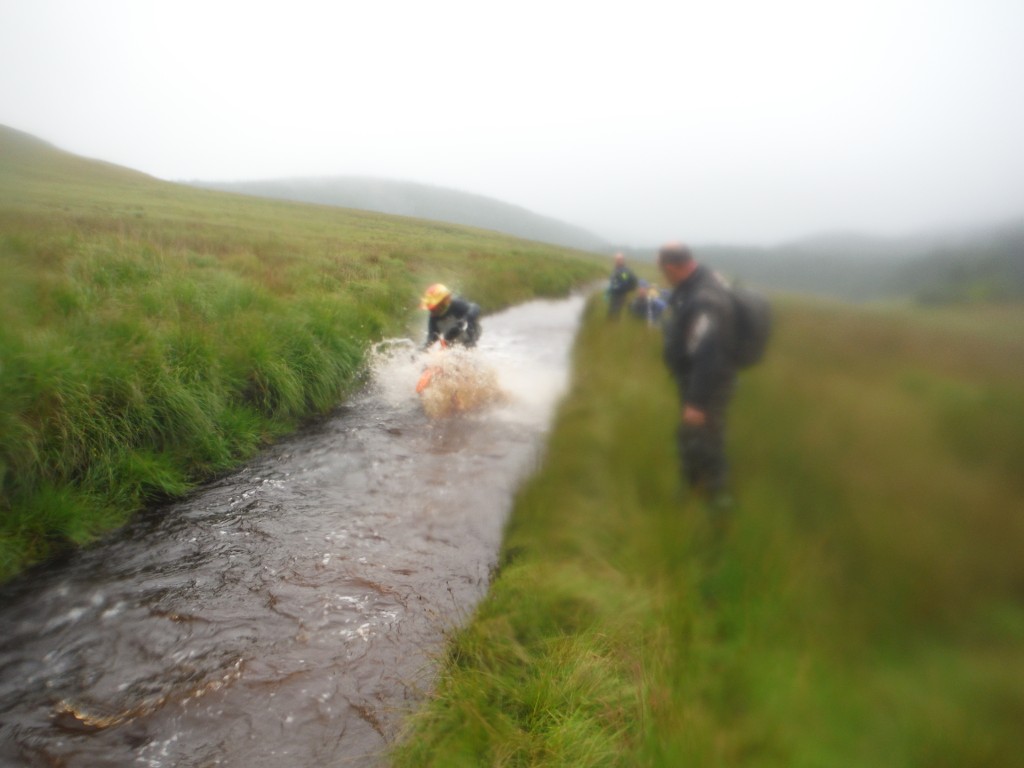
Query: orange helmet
point(435, 296)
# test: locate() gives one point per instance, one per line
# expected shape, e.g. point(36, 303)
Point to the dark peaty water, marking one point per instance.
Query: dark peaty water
point(289, 614)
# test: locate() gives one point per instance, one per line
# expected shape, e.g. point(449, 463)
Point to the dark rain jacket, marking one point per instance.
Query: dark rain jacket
point(700, 338)
point(459, 320)
point(622, 281)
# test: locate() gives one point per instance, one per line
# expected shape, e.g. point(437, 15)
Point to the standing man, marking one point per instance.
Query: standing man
point(620, 284)
point(700, 337)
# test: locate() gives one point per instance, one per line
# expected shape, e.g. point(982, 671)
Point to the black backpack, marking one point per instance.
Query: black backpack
point(753, 315)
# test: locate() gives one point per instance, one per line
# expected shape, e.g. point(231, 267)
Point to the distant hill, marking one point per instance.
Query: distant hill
point(979, 264)
point(421, 201)
point(986, 265)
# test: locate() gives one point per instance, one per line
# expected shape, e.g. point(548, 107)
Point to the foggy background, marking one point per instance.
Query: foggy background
point(730, 122)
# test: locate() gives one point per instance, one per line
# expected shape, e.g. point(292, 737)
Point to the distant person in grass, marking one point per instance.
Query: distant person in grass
point(700, 333)
point(648, 305)
point(620, 284)
point(452, 319)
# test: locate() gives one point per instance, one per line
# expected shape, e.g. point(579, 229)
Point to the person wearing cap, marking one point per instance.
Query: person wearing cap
point(699, 336)
point(452, 319)
point(620, 284)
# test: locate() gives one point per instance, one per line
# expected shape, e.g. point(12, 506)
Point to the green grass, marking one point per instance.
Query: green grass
point(862, 607)
point(153, 335)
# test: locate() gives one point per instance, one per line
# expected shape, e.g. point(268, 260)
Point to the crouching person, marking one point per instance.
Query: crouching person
point(452, 319)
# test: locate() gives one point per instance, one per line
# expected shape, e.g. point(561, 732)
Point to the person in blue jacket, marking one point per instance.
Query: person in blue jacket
point(648, 304)
point(621, 283)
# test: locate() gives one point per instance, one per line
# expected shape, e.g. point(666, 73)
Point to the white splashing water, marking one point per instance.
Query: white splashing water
point(515, 373)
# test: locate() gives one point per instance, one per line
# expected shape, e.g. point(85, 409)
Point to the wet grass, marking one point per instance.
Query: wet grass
point(153, 335)
point(863, 605)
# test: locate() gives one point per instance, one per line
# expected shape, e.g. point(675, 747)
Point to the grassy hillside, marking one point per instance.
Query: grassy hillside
point(423, 201)
point(988, 267)
point(152, 334)
point(863, 606)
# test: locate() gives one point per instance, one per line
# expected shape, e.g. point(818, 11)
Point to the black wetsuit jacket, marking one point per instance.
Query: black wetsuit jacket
point(460, 317)
point(700, 337)
point(622, 281)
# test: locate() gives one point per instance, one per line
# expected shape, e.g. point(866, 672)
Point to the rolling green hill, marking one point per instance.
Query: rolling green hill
point(984, 267)
point(421, 201)
point(152, 334)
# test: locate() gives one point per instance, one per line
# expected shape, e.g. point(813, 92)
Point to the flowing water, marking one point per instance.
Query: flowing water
point(291, 613)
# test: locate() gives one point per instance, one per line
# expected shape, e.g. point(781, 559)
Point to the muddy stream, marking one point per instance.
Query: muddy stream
point(289, 614)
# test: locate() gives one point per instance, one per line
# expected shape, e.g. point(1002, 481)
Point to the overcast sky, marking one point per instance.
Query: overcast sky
point(710, 121)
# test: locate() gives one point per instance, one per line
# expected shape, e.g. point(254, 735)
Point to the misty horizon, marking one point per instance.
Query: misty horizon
point(736, 122)
point(936, 232)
